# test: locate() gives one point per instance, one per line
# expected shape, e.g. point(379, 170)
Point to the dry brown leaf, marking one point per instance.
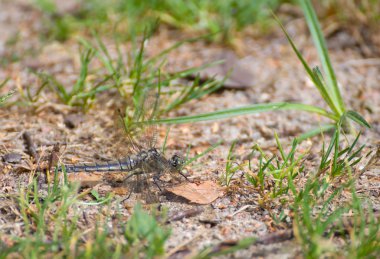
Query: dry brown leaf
point(85, 179)
point(203, 193)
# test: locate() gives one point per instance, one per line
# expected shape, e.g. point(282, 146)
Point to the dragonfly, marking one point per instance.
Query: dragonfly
point(144, 164)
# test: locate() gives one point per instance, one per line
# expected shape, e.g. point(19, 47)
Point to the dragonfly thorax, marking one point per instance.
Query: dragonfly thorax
point(146, 155)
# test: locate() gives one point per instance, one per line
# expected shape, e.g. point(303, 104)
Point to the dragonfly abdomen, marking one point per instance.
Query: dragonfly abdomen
point(126, 164)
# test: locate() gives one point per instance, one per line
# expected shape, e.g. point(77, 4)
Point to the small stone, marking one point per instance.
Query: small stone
point(72, 121)
point(12, 158)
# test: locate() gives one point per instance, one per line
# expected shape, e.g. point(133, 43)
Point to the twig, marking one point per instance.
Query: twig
point(276, 237)
point(30, 146)
point(186, 214)
point(372, 161)
point(53, 161)
point(241, 210)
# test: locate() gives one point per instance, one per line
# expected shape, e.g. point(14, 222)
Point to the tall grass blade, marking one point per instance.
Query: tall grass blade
point(279, 146)
point(3, 98)
point(319, 41)
point(85, 61)
point(189, 161)
point(322, 87)
point(356, 117)
point(313, 74)
point(257, 108)
point(316, 131)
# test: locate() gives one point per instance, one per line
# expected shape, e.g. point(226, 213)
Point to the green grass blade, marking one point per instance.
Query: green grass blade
point(326, 155)
point(55, 86)
point(319, 41)
point(336, 149)
point(101, 55)
point(138, 65)
point(268, 164)
point(79, 86)
point(316, 80)
point(356, 117)
point(2, 84)
point(353, 144)
point(322, 87)
point(279, 146)
point(316, 131)
point(356, 153)
point(252, 109)
point(3, 98)
point(189, 161)
point(165, 140)
point(107, 60)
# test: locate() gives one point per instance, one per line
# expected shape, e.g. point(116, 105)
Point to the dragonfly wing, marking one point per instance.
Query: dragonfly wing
point(140, 183)
point(149, 194)
point(142, 128)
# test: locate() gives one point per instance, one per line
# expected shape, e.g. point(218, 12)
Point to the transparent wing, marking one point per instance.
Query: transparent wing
point(129, 138)
point(136, 132)
point(150, 192)
point(141, 132)
point(141, 184)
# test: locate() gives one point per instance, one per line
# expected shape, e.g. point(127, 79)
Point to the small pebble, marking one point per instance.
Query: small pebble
point(72, 121)
point(12, 158)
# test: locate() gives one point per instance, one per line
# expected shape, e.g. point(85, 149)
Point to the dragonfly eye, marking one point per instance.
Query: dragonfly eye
point(176, 161)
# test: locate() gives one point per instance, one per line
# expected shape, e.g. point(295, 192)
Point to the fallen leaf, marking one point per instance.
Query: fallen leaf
point(203, 193)
point(85, 179)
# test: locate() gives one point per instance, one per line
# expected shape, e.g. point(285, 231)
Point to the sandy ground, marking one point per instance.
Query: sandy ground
point(270, 73)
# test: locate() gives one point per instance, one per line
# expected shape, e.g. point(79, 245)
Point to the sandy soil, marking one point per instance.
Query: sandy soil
point(271, 73)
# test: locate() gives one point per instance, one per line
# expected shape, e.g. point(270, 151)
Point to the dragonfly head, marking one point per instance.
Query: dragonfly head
point(176, 161)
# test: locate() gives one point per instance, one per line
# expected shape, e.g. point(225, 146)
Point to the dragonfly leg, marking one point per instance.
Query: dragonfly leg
point(187, 179)
point(155, 180)
point(131, 189)
point(129, 195)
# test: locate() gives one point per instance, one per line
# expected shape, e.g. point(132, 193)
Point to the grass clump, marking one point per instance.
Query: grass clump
point(338, 162)
point(131, 75)
point(54, 222)
point(316, 218)
point(321, 209)
point(145, 235)
point(320, 217)
point(231, 166)
point(141, 74)
point(273, 174)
